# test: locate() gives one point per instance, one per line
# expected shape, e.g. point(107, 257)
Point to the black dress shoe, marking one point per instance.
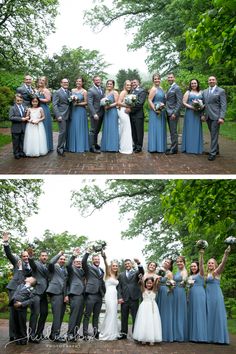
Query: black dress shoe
point(171, 152)
point(122, 336)
point(17, 157)
point(95, 151)
point(11, 339)
point(96, 335)
point(60, 153)
point(211, 157)
point(97, 147)
point(59, 339)
point(22, 154)
point(138, 150)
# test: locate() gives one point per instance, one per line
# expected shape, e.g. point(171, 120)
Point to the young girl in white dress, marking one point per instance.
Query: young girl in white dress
point(35, 141)
point(109, 328)
point(147, 326)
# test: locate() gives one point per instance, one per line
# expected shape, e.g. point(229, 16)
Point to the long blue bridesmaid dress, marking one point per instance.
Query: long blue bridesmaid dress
point(192, 136)
point(110, 132)
point(157, 135)
point(216, 314)
point(47, 122)
point(180, 311)
point(78, 135)
point(165, 304)
point(197, 319)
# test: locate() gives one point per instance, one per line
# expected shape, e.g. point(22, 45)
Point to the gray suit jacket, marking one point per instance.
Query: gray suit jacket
point(94, 98)
point(61, 104)
point(41, 273)
point(24, 295)
point(25, 93)
point(18, 125)
point(57, 276)
point(215, 103)
point(94, 281)
point(76, 279)
point(129, 288)
point(174, 99)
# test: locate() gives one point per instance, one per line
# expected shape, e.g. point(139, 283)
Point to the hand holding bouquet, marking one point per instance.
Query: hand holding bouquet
point(197, 104)
point(158, 107)
point(131, 100)
point(105, 101)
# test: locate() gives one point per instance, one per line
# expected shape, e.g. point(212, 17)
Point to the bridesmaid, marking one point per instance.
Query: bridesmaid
point(180, 302)
point(45, 98)
point(157, 136)
point(110, 134)
point(165, 303)
point(151, 271)
point(192, 137)
point(197, 303)
point(78, 135)
point(216, 314)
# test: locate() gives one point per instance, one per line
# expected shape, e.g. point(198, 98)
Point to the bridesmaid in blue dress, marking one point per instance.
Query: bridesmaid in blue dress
point(110, 132)
point(45, 98)
point(78, 134)
point(165, 302)
point(197, 319)
point(180, 302)
point(192, 136)
point(216, 314)
point(157, 135)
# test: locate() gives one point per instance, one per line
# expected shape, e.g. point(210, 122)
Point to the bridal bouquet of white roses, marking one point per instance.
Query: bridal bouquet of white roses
point(201, 244)
point(198, 104)
point(158, 107)
point(131, 100)
point(105, 101)
point(171, 284)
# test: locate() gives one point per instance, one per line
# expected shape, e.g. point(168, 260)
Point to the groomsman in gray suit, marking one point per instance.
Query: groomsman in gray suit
point(26, 90)
point(96, 112)
point(39, 308)
point(75, 291)
point(61, 109)
point(94, 292)
point(129, 294)
point(57, 292)
point(214, 99)
point(174, 99)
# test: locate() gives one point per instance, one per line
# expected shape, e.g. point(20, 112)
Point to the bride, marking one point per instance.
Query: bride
point(109, 327)
point(126, 144)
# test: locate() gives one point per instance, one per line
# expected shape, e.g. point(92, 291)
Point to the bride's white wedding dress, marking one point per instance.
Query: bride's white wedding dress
point(109, 328)
point(125, 134)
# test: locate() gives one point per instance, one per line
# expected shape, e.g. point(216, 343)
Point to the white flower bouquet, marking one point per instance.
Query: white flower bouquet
point(202, 244)
point(158, 107)
point(105, 101)
point(131, 100)
point(198, 104)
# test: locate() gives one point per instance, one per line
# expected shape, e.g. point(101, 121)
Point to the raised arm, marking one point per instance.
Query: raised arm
point(7, 249)
point(201, 262)
point(53, 261)
point(221, 267)
point(107, 272)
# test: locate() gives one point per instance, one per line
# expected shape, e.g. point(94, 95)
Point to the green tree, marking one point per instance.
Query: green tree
point(124, 75)
point(24, 27)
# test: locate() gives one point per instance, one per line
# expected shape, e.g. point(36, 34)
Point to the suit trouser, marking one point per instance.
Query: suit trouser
point(137, 128)
point(11, 316)
point(39, 312)
point(17, 142)
point(20, 316)
point(63, 133)
point(76, 313)
point(128, 306)
point(58, 311)
point(93, 305)
point(214, 128)
point(173, 125)
point(95, 126)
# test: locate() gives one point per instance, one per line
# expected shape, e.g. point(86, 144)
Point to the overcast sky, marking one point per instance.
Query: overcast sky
point(111, 42)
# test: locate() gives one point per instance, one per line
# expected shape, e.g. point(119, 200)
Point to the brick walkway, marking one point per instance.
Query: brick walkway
point(119, 164)
point(112, 347)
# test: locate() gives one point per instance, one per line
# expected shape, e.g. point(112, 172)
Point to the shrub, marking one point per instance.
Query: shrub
point(6, 100)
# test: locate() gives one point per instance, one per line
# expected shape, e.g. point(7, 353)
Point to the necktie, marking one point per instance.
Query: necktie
point(21, 109)
point(99, 90)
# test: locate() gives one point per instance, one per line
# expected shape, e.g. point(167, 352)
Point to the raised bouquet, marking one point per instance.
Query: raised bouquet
point(171, 284)
point(231, 240)
point(201, 244)
point(198, 104)
point(75, 99)
point(131, 100)
point(105, 101)
point(158, 107)
point(97, 246)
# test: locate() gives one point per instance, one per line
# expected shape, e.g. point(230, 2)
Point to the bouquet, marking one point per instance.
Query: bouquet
point(74, 99)
point(97, 246)
point(131, 100)
point(161, 272)
point(158, 107)
point(202, 244)
point(170, 283)
point(198, 104)
point(190, 282)
point(105, 102)
point(231, 240)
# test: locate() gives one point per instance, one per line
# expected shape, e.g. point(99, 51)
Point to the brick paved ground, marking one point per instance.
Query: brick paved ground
point(119, 164)
point(111, 347)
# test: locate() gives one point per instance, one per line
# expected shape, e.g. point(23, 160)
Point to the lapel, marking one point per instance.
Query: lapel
point(64, 94)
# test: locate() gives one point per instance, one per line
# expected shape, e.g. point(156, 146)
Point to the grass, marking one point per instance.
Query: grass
point(5, 139)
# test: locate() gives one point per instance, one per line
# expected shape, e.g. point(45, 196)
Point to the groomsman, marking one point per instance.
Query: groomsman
point(174, 99)
point(96, 112)
point(61, 109)
point(94, 292)
point(57, 292)
point(214, 99)
point(26, 90)
point(17, 277)
point(129, 294)
point(17, 117)
point(75, 291)
point(39, 308)
point(137, 116)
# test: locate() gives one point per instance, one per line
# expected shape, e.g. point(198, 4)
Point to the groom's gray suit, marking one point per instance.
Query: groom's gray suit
point(61, 108)
point(215, 108)
point(95, 95)
point(94, 292)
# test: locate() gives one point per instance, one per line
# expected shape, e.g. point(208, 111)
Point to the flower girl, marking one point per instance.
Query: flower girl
point(147, 327)
point(35, 143)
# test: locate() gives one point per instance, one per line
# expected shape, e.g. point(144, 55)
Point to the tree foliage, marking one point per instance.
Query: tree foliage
point(124, 75)
point(24, 27)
